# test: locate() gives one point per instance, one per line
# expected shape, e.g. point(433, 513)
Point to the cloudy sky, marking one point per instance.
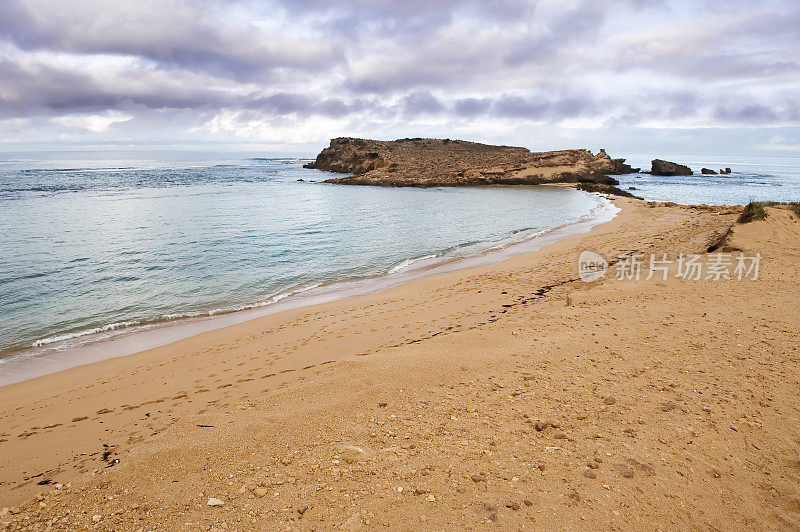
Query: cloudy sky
point(693, 76)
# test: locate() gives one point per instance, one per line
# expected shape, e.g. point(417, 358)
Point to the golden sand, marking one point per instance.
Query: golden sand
point(510, 395)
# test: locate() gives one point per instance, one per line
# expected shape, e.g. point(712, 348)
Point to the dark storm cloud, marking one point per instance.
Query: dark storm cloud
point(753, 113)
point(404, 19)
point(174, 34)
point(469, 107)
point(303, 105)
point(422, 102)
point(33, 89)
point(37, 89)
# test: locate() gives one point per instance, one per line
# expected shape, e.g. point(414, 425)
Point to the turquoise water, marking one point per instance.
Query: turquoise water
point(93, 244)
point(752, 179)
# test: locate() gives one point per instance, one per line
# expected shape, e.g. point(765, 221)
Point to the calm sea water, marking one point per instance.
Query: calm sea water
point(98, 243)
point(752, 179)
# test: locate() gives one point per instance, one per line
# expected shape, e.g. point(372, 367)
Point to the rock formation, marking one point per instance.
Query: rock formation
point(661, 167)
point(724, 170)
point(708, 171)
point(444, 162)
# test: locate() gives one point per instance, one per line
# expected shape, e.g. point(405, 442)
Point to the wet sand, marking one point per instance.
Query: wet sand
point(511, 394)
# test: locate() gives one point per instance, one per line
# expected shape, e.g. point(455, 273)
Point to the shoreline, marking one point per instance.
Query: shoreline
point(511, 393)
point(41, 360)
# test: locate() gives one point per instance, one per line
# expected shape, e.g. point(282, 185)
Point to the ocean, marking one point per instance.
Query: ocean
point(100, 245)
point(752, 178)
point(103, 254)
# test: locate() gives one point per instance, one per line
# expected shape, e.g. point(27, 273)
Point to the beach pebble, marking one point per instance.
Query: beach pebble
point(610, 400)
point(212, 501)
point(589, 474)
point(513, 505)
point(259, 492)
point(96, 518)
point(431, 498)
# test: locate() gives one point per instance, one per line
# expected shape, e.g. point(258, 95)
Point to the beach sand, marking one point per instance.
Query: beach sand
point(509, 395)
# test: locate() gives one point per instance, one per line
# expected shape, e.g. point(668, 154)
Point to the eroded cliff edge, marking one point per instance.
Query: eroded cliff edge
point(444, 162)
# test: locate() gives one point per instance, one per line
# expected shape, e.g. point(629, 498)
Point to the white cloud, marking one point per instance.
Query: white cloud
point(303, 70)
point(96, 123)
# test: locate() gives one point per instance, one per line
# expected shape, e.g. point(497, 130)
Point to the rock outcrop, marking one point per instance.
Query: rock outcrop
point(724, 170)
point(661, 167)
point(444, 162)
point(708, 171)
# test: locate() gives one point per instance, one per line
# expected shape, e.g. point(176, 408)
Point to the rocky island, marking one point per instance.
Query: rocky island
point(443, 162)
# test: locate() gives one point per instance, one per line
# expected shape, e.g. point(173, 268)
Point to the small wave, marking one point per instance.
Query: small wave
point(408, 262)
point(118, 326)
point(63, 170)
point(70, 336)
point(227, 310)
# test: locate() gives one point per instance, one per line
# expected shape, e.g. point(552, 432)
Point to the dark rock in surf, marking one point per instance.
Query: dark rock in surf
point(667, 168)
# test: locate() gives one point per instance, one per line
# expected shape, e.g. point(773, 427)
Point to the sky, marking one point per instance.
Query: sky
point(632, 76)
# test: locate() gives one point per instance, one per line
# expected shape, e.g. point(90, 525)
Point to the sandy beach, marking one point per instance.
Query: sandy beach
point(509, 395)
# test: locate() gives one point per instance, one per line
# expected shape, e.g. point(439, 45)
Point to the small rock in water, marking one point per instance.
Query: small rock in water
point(212, 501)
